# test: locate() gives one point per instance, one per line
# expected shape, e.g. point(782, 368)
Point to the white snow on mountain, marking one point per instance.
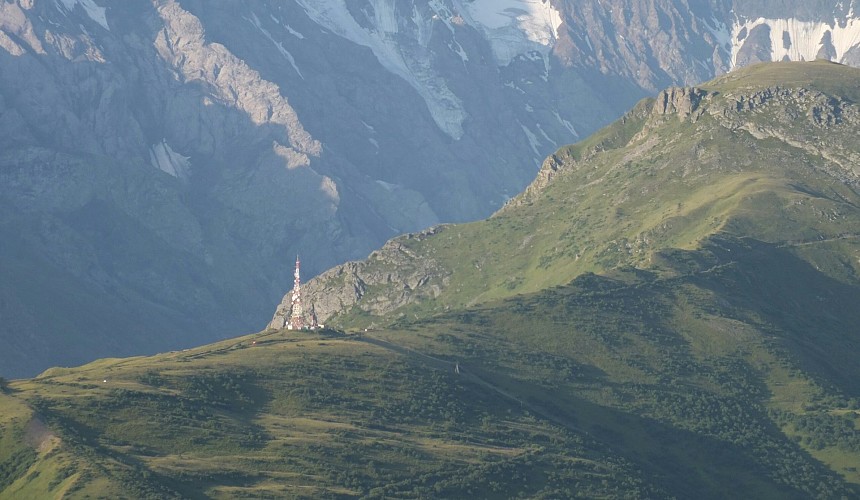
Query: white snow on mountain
point(93, 10)
point(164, 158)
point(284, 52)
point(388, 186)
point(721, 32)
point(514, 27)
point(414, 67)
point(800, 40)
point(569, 126)
point(534, 142)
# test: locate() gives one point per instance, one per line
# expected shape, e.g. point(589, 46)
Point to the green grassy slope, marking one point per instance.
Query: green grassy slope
point(591, 389)
point(629, 385)
point(730, 349)
point(298, 415)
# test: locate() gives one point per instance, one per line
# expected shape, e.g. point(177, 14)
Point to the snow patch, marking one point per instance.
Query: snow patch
point(445, 107)
point(295, 33)
point(567, 124)
point(533, 140)
point(164, 158)
point(284, 52)
point(289, 28)
point(721, 32)
point(512, 85)
point(93, 10)
point(458, 50)
point(388, 186)
point(540, 129)
point(806, 37)
point(513, 26)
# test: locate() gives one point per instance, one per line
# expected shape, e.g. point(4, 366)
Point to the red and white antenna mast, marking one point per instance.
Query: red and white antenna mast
point(297, 316)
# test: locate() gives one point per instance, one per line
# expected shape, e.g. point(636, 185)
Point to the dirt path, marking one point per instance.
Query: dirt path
point(789, 244)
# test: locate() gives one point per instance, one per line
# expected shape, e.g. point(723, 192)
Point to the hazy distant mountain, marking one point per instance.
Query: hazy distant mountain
point(668, 311)
point(162, 162)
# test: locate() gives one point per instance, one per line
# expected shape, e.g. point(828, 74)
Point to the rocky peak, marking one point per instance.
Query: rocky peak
point(403, 275)
point(790, 106)
point(802, 118)
point(551, 167)
point(681, 101)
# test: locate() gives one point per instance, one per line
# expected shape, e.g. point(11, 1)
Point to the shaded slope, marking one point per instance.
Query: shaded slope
point(756, 364)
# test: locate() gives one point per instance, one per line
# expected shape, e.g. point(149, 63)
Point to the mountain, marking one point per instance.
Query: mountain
point(765, 153)
point(669, 310)
point(164, 161)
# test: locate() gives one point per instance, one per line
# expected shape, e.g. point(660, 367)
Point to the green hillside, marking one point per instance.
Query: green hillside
point(769, 153)
point(296, 415)
point(588, 390)
point(669, 311)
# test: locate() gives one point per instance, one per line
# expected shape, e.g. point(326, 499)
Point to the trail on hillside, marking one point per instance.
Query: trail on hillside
point(790, 244)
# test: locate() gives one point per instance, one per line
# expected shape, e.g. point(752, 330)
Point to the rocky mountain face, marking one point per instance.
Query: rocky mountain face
point(162, 162)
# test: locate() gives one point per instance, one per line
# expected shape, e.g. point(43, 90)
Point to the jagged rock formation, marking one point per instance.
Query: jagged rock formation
point(683, 102)
point(403, 276)
point(162, 160)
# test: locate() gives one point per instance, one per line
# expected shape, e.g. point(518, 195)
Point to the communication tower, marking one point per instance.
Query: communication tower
point(297, 316)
